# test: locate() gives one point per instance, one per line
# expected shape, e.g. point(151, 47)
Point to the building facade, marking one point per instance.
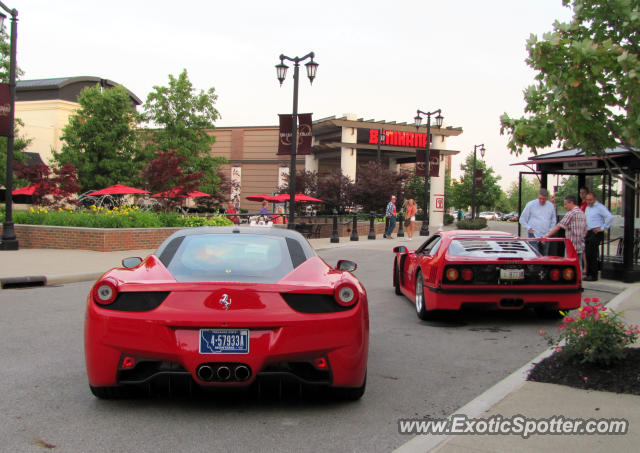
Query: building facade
point(344, 143)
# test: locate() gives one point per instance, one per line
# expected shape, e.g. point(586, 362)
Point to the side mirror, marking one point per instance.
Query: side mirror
point(131, 262)
point(346, 265)
point(400, 249)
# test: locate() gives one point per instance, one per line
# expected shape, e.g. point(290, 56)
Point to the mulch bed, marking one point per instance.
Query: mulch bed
point(620, 377)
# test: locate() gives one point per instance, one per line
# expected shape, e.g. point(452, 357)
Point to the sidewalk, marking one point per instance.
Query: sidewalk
point(514, 396)
point(511, 396)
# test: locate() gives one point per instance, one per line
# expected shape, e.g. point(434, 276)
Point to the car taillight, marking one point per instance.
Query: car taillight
point(568, 273)
point(554, 275)
point(467, 274)
point(105, 292)
point(346, 294)
point(452, 274)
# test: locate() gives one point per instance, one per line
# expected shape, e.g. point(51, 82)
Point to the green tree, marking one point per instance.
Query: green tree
point(587, 91)
point(184, 118)
point(487, 196)
point(529, 192)
point(101, 141)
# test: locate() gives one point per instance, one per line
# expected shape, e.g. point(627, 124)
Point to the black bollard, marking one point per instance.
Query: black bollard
point(354, 229)
point(401, 227)
point(334, 235)
point(372, 232)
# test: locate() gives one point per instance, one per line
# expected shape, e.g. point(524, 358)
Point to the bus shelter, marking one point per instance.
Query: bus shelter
point(620, 172)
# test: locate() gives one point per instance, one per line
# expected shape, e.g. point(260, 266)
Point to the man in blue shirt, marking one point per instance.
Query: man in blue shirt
point(391, 215)
point(538, 217)
point(598, 219)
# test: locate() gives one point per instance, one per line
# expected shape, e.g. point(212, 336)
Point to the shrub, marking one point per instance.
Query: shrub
point(118, 217)
point(593, 335)
point(473, 224)
point(448, 219)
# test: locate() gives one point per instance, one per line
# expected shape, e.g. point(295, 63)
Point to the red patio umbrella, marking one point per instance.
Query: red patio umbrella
point(174, 193)
point(299, 197)
point(118, 189)
point(29, 190)
point(261, 197)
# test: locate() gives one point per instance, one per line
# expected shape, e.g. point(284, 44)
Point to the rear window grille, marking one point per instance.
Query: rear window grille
point(137, 301)
point(313, 303)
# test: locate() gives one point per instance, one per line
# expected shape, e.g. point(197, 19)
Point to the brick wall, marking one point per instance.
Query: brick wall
point(115, 239)
point(99, 239)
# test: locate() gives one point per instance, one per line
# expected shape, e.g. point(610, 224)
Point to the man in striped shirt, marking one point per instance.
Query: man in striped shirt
point(574, 224)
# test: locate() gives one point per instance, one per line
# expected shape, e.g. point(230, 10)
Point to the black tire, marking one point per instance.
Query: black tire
point(112, 393)
point(546, 313)
point(349, 393)
point(421, 306)
point(396, 278)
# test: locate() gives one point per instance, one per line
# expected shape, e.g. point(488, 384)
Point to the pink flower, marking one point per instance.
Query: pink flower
point(596, 299)
point(587, 299)
point(558, 348)
point(585, 378)
point(562, 327)
point(542, 332)
point(568, 319)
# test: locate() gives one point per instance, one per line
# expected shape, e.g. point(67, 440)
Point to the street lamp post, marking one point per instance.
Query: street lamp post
point(473, 179)
point(381, 137)
point(281, 69)
point(424, 230)
point(9, 241)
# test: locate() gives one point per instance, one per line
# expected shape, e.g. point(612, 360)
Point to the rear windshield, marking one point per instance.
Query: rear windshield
point(231, 258)
point(512, 248)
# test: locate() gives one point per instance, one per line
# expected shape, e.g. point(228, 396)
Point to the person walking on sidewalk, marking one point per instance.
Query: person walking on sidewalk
point(574, 224)
point(538, 217)
point(598, 219)
point(391, 214)
point(411, 217)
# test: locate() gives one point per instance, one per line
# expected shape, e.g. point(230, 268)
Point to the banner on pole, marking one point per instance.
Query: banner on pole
point(478, 179)
point(305, 134)
point(5, 110)
point(434, 162)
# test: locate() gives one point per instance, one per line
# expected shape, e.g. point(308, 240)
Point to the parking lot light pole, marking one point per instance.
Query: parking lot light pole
point(281, 69)
point(473, 179)
point(424, 229)
point(9, 240)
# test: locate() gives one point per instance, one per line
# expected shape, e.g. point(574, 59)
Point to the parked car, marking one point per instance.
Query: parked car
point(489, 215)
point(509, 216)
point(494, 270)
point(224, 307)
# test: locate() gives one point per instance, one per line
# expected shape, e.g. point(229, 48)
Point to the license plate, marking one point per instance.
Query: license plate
point(511, 274)
point(224, 341)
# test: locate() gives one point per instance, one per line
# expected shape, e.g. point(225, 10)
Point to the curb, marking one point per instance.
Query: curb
point(493, 395)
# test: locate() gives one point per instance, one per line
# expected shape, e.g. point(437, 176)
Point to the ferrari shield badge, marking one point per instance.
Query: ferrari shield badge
point(225, 300)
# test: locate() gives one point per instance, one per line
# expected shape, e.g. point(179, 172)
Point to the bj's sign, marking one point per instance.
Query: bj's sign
point(397, 138)
point(5, 110)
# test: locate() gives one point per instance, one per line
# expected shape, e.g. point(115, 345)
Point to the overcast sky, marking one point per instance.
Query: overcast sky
point(379, 60)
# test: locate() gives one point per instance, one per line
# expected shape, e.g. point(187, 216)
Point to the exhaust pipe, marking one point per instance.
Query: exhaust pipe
point(223, 373)
point(205, 372)
point(241, 373)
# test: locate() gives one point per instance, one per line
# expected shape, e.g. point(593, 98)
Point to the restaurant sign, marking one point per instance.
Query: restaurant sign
point(397, 138)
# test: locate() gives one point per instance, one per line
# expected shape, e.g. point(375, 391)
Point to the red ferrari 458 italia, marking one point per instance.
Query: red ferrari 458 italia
point(224, 307)
point(488, 269)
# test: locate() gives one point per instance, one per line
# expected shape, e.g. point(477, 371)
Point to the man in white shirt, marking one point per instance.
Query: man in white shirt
point(538, 217)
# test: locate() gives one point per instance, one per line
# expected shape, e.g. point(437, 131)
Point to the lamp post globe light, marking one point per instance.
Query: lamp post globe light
point(281, 70)
point(9, 241)
point(424, 230)
point(473, 179)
